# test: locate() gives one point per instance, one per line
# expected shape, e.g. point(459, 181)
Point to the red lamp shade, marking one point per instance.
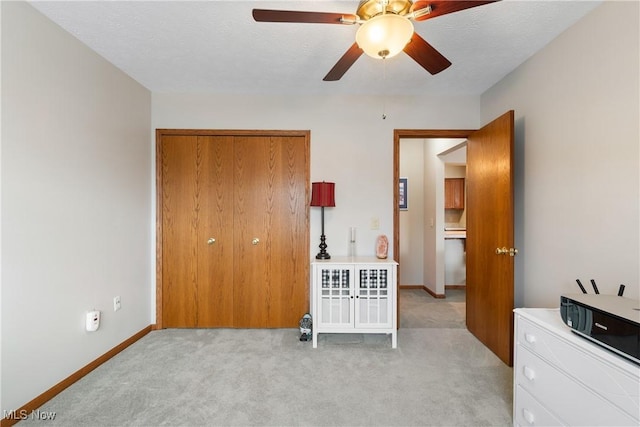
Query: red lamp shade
point(323, 194)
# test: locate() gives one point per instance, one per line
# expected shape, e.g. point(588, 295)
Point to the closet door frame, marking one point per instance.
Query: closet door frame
point(306, 134)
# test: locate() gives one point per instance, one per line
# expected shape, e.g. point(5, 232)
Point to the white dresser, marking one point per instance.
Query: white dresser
point(561, 378)
point(354, 295)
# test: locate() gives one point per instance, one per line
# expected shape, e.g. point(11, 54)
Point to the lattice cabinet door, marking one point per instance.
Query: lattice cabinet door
point(373, 296)
point(335, 296)
point(354, 295)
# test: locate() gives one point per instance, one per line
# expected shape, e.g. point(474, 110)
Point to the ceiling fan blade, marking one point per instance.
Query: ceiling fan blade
point(266, 15)
point(344, 63)
point(443, 7)
point(426, 55)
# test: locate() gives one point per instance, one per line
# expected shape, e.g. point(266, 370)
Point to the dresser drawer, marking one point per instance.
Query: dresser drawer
point(614, 384)
point(572, 403)
point(529, 412)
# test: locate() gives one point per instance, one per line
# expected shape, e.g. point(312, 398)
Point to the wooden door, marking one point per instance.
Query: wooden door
point(197, 231)
point(215, 241)
point(489, 305)
point(179, 236)
point(270, 223)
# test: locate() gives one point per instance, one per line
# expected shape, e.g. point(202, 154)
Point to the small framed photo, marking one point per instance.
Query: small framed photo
point(402, 194)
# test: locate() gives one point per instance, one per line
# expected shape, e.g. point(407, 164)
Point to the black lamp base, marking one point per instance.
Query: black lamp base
point(323, 254)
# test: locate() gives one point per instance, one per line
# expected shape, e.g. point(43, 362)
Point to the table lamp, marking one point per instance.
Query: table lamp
point(323, 196)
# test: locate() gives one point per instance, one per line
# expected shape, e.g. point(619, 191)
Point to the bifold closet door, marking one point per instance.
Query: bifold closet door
point(270, 225)
point(234, 230)
point(215, 239)
point(197, 231)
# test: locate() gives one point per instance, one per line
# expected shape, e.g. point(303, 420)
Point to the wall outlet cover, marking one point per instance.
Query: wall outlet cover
point(375, 223)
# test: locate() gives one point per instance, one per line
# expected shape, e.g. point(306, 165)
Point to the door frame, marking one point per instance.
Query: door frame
point(211, 132)
point(411, 134)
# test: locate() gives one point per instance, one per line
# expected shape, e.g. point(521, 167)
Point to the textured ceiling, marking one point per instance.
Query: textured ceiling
point(217, 47)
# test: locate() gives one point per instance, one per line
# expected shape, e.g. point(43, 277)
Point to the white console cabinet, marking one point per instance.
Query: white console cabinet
point(354, 295)
point(561, 378)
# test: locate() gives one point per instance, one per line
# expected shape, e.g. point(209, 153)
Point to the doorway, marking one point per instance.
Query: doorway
point(399, 134)
point(490, 225)
point(431, 225)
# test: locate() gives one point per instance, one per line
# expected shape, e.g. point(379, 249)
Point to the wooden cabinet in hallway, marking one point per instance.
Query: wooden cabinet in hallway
point(232, 228)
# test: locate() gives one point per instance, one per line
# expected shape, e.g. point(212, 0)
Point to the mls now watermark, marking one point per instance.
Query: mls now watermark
point(23, 414)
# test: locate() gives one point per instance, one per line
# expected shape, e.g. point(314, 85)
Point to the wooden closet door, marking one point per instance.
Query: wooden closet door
point(179, 233)
point(215, 221)
point(270, 223)
point(218, 192)
point(197, 193)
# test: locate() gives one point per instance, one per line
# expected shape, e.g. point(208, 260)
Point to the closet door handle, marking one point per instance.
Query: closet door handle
point(211, 241)
point(255, 241)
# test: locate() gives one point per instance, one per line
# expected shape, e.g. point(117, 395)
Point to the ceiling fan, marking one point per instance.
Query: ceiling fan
point(385, 29)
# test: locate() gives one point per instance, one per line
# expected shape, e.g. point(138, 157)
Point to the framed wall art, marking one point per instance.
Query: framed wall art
point(403, 194)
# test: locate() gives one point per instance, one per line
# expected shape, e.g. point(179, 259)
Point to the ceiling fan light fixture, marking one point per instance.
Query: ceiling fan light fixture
point(385, 35)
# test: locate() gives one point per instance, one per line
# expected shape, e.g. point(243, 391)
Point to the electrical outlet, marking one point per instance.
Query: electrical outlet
point(116, 303)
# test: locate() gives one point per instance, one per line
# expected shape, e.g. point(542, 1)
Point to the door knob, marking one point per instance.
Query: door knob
point(255, 241)
point(505, 251)
point(211, 241)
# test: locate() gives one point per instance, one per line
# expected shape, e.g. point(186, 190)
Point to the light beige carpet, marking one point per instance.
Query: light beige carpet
point(418, 309)
point(248, 377)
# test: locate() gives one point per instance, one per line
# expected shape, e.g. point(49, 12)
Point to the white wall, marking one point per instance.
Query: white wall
point(350, 145)
point(434, 209)
point(1, 346)
point(577, 137)
point(412, 221)
point(76, 204)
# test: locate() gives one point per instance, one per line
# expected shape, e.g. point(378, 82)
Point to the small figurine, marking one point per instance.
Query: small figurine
point(382, 246)
point(305, 328)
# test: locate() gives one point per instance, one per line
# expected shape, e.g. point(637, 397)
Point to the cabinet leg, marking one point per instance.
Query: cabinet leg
point(314, 339)
point(394, 340)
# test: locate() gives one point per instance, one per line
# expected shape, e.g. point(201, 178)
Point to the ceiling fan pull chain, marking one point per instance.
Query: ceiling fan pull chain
point(384, 92)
